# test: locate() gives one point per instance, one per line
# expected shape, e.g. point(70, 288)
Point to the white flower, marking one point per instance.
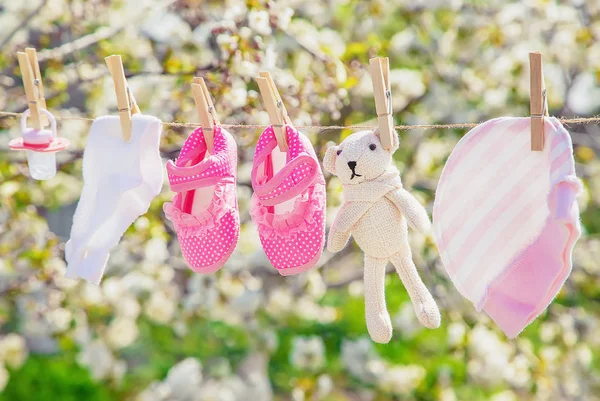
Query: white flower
point(118, 371)
point(81, 332)
point(584, 355)
point(246, 303)
point(167, 28)
point(113, 289)
point(258, 21)
point(237, 97)
point(230, 286)
point(584, 96)
point(324, 385)
point(375, 368)
point(402, 41)
point(204, 32)
point(356, 288)
point(483, 342)
point(231, 389)
point(128, 306)
point(447, 394)
point(97, 358)
point(316, 287)
point(3, 377)
point(122, 332)
point(280, 301)
point(549, 331)
point(490, 356)
point(406, 85)
point(156, 250)
point(306, 308)
point(245, 33)
point(456, 333)
point(495, 97)
point(202, 292)
point(356, 356)
point(406, 321)
point(400, 380)
point(165, 274)
point(185, 379)
point(332, 42)
point(160, 307)
point(307, 353)
point(517, 372)
point(227, 43)
point(506, 395)
point(298, 394)
point(284, 17)
point(13, 351)
point(140, 224)
point(59, 319)
point(137, 282)
point(550, 356)
point(181, 328)
point(245, 69)
point(235, 11)
point(156, 391)
point(91, 295)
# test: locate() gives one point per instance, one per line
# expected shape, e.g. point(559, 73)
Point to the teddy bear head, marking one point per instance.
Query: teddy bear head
point(359, 158)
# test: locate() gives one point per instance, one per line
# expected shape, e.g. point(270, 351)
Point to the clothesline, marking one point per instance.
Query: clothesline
point(563, 120)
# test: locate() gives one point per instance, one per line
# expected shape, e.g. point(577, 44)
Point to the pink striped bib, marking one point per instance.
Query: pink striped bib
point(505, 218)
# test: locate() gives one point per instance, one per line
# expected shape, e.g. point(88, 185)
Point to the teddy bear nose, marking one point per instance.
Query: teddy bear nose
point(352, 165)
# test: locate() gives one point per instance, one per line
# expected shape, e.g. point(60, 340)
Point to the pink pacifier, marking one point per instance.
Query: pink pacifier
point(41, 146)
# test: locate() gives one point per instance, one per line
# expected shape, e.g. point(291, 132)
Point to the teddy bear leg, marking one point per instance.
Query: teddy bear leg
point(425, 307)
point(379, 323)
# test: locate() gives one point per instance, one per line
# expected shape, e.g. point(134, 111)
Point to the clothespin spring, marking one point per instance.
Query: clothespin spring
point(544, 106)
point(388, 95)
point(279, 105)
point(210, 113)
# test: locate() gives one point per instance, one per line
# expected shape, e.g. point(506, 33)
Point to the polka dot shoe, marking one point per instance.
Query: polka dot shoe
point(288, 204)
point(204, 210)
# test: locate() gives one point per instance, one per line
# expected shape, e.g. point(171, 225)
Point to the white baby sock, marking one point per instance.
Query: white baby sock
point(120, 181)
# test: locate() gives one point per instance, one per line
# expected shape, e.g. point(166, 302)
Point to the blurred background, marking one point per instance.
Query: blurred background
point(153, 330)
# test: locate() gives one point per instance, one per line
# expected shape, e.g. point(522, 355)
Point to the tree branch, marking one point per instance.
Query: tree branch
point(24, 23)
point(93, 38)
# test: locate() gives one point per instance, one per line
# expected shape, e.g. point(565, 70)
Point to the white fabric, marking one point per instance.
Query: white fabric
point(120, 181)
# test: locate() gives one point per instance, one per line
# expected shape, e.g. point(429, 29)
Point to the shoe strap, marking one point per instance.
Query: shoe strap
point(293, 179)
point(181, 180)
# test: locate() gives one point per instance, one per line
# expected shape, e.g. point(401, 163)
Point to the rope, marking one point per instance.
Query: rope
point(563, 120)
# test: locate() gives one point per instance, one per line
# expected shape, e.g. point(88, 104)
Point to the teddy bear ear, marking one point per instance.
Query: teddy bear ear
point(395, 139)
point(329, 159)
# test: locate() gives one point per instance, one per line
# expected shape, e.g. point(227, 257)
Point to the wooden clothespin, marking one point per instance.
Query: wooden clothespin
point(206, 111)
point(34, 88)
point(277, 112)
point(538, 103)
point(380, 73)
point(125, 100)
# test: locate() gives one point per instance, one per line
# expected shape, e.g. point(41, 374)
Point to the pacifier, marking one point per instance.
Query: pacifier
point(40, 145)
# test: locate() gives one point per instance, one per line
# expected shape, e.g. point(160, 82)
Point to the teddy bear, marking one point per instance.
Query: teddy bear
point(377, 211)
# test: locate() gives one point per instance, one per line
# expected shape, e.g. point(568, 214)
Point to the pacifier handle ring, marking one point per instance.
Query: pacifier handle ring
point(51, 118)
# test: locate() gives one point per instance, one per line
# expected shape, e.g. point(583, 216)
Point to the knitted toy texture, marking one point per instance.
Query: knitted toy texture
point(377, 211)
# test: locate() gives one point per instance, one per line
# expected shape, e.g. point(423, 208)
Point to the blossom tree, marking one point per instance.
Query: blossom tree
point(154, 330)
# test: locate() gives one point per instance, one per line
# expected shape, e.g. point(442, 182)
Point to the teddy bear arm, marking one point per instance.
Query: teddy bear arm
point(415, 213)
point(337, 240)
point(341, 229)
point(348, 215)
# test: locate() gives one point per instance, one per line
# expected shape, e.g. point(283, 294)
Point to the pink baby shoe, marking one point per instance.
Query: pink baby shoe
point(288, 204)
point(204, 209)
